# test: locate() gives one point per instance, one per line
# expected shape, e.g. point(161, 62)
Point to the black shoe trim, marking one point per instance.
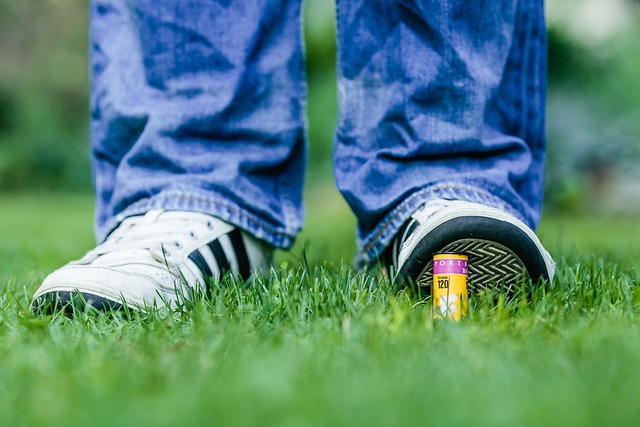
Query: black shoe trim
point(475, 228)
point(70, 302)
point(241, 253)
point(220, 256)
point(202, 265)
point(223, 264)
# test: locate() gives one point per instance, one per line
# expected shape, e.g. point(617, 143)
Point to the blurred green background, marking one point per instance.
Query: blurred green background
point(593, 103)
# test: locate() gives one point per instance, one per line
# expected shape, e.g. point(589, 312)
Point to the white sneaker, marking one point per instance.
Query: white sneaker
point(153, 261)
point(502, 250)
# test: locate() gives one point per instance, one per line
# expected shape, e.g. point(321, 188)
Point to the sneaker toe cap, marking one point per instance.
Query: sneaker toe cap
point(99, 286)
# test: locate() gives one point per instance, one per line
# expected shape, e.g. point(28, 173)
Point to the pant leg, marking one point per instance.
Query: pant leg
point(439, 99)
point(199, 105)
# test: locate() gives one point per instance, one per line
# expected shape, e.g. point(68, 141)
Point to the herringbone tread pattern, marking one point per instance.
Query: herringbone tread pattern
point(491, 266)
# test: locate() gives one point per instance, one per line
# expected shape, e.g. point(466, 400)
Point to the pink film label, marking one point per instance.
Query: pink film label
point(450, 265)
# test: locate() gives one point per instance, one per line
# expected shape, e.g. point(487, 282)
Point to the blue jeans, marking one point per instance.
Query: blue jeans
point(200, 105)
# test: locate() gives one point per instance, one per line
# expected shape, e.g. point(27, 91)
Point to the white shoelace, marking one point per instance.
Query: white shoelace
point(429, 209)
point(160, 232)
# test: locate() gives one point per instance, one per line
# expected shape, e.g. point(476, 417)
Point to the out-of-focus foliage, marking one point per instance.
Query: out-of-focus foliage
point(43, 94)
point(593, 112)
point(593, 108)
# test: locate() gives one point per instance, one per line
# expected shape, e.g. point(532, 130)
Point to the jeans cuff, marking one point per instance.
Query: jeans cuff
point(373, 245)
point(207, 203)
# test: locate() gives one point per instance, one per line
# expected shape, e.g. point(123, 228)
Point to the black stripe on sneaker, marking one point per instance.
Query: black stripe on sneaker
point(202, 265)
point(219, 255)
point(241, 253)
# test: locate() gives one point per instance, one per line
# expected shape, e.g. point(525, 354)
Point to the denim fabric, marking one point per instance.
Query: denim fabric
point(439, 99)
point(199, 105)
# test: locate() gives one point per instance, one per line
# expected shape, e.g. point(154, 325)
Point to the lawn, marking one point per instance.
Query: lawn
point(319, 343)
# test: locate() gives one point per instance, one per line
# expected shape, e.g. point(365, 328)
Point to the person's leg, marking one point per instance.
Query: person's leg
point(196, 107)
point(439, 100)
point(199, 106)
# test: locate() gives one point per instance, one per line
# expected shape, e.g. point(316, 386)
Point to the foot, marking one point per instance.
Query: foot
point(153, 261)
point(502, 250)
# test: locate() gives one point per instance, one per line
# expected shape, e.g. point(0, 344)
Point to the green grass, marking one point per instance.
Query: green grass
point(323, 344)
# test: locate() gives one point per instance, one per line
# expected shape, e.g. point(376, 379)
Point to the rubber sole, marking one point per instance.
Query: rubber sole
point(491, 266)
point(502, 257)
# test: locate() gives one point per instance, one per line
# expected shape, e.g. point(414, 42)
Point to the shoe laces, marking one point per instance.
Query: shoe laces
point(159, 232)
point(430, 208)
